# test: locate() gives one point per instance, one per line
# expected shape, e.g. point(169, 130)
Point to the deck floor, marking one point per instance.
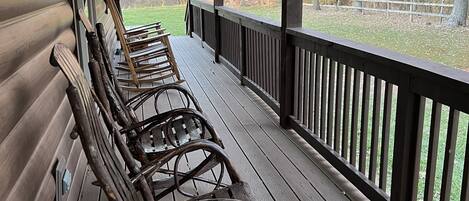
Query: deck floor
point(275, 162)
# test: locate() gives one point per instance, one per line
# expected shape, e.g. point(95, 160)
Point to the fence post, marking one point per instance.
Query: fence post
point(405, 162)
point(217, 47)
point(292, 13)
point(242, 52)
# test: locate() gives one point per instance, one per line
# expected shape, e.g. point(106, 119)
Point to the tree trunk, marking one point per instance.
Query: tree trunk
point(317, 5)
point(459, 14)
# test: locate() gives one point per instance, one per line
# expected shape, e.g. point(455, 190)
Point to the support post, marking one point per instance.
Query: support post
point(292, 13)
point(405, 151)
point(191, 18)
point(217, 47)
point(242, 52)
point(202, 25)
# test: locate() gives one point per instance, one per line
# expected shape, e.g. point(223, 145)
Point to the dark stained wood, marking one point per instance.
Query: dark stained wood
point(448, 165)
point(325, 69)
point(226, 103)
point(364, 124)
point(375, 129)
point(330, 102)
point(383, 170)
point(338, 101)
point(465, 178)
point(346, 117)
point(433, 142)
point(355, 109)
point(404, 156)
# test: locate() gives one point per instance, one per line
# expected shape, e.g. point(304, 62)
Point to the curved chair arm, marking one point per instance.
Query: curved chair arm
point(206, 145)
point(138, 100)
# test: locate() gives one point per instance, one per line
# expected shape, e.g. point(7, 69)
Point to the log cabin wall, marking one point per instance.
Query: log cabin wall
point(35, 115)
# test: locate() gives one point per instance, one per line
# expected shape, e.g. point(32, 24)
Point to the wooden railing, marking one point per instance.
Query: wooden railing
point(366, 110)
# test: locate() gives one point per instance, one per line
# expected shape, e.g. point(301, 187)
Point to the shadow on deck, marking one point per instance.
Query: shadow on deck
point(276, 162)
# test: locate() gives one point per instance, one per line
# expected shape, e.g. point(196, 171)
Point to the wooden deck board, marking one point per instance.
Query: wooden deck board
point(270, 159)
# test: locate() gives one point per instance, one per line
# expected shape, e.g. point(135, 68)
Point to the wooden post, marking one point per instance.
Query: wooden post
point(405, 151)
point(217, 47)
point(191, 18)
point(292, 13)
point(202, 24)
point(242, 52)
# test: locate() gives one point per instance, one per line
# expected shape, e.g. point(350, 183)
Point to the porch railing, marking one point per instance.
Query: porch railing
point(366, 110)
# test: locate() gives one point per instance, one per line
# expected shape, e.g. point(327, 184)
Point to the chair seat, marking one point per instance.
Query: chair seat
point(184, 130)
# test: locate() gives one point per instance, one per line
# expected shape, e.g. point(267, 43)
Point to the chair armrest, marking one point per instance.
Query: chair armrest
point(145, 34)
point(143, 27)
point(148, 40)
point(138, 100)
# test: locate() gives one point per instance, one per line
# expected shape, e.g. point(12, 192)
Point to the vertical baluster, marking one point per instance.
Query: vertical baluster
point(346, 121)
point(306, 88)
point(330, 102)
point(451, 137)
point(296, 85)
point(312, 87)
point(465, 177)
point(375, 129)
point(242, 53)
point(338, 102)
point(269, 65)
point(354, 129)
point(323, 97)
point(301, 84)
point(317, 80)
point(364, 124)
point(383, 171)
point(432, 151)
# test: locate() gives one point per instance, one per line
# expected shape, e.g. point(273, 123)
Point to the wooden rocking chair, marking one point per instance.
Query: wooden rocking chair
point(145, 51)
point(185, 124)
point(117, 184)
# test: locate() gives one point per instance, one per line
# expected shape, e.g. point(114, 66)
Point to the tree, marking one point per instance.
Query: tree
point(459, 14)
point(317, 5)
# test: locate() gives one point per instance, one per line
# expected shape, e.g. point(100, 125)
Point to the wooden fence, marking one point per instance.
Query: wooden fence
point(411, 8)
point(362, 108)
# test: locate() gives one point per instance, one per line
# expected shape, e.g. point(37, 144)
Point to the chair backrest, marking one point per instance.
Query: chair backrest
point(120, 29)
point(100, 153)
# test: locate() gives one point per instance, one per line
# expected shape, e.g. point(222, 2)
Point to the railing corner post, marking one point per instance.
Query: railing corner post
point(405, 153)
point(242, 53)
point(190, 25)
point(217, 47)
point(292, 13)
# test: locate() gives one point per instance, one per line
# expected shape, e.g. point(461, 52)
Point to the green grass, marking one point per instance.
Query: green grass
point(172, 17)
point(438, 44)
point(430, 42)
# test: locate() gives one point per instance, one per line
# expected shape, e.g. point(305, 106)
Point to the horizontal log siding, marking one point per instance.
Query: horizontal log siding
point(36, 118)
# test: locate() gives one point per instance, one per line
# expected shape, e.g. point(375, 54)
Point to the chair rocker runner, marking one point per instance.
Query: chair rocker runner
point(149, 58)
point(116, 183)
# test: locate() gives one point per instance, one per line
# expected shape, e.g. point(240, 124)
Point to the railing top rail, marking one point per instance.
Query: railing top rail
point(257, 23)
point(204, 5)
point(431, 79)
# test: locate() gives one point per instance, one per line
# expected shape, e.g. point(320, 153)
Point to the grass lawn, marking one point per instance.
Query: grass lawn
point(431, 42)
point(172, 17)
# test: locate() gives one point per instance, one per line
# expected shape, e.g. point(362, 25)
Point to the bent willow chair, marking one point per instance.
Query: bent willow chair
point(148, 55)
point(152, 137)
point(103, 159)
